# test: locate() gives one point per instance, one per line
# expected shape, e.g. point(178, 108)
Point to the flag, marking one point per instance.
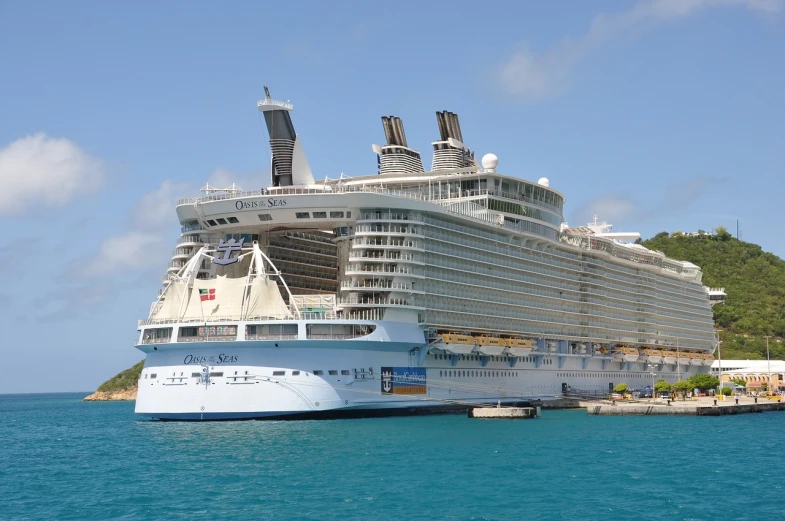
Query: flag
point(206, 294)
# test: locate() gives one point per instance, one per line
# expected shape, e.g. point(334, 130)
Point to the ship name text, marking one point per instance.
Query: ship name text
point(270, 202)
point(212, 360)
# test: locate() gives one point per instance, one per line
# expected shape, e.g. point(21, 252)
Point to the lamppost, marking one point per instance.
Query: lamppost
point(678, 361)
point(768, 364)
point(654, 376)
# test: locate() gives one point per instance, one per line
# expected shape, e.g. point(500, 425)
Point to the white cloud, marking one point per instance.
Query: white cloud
point(39, 169)
point(610, 208)
point(223, 178)
point(156, 209)
point(529, 77)
point(130, 250)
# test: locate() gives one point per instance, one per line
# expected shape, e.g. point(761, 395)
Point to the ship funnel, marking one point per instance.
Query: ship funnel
point(289, 165)
point(450, 153)
point(396, 156)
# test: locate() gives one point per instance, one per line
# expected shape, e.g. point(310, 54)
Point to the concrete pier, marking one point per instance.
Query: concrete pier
point(700, 407)
point(509, 413)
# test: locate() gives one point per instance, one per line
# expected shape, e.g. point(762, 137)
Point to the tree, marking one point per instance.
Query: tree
point(662, 386)
point(739, 381)
point(726, 391)
point(621, 388)
point(682, 387)
point(722, 233)
point(704, 382)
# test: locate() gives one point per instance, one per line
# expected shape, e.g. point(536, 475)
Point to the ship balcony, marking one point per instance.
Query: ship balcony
point(382, 285)
point(376, 302)
point(368, 242)
point(192, 240)
point(402, 218)
point(192, 228)
point(377, 272)
point(386, 231)
point(382, 257)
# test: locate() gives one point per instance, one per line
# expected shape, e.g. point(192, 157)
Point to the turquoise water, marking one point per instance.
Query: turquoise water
point(61, 458)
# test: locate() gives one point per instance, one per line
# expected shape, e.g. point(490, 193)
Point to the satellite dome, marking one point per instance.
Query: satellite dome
point(544, 181)
point(490, 162)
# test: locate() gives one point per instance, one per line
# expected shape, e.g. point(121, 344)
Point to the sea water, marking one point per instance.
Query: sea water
point(61, 458)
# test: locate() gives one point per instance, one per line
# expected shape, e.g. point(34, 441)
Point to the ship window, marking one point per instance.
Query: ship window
point(279, 373)
point(335, 215)
point(265, 217)
point(320, 215)
point(318, 372)
point(348, 215)
point(216, 374)
point(332, 372)
point(233, 220)
point(344, 371)
point(153, 375)
point(220, 220)
point(303, 215)
point(196, 375)
point(211, 222)
point(295, 373)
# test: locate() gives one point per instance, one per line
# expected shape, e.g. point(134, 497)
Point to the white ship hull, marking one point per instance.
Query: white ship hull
point(258, 380)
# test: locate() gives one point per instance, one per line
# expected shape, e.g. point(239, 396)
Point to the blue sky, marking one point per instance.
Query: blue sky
point(656, 114)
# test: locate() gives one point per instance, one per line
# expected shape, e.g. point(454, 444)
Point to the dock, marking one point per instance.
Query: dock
point(507, 413)
point(704, 406)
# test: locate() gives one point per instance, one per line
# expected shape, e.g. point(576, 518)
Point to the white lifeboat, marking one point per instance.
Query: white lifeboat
point(668, 356)
point(490, 345)
point(457, 344)
point(518, 346)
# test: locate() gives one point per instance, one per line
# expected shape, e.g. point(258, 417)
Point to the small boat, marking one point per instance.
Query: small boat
point(652, 356)
point(626, 354)
point(684, 358)
point(518, 346)
point(490, 345)
point(457, 344)
point(668, 356)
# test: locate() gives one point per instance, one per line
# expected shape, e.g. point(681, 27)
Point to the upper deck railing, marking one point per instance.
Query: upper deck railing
point(422, 195)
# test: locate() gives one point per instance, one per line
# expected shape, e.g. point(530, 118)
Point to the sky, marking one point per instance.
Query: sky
point(657, 115)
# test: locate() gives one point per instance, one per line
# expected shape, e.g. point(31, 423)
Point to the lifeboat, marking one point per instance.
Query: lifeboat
point(668, 356)
point(518, 346)
point(490, 345)
point(696, 359)
point(457, 344)
point(708, 359)
point(652, 356)
point(626, 354)
point(684, 358)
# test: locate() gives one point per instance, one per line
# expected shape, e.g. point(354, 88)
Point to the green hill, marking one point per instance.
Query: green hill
point(123, 381)
point(754, 281)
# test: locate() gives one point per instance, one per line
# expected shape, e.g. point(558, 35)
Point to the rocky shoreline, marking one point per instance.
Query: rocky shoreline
point(112, 396)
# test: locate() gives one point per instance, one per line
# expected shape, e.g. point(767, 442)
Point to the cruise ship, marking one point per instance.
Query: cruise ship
point(406, 292)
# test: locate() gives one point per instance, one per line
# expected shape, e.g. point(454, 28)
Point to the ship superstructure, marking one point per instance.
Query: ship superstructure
point(406, 291)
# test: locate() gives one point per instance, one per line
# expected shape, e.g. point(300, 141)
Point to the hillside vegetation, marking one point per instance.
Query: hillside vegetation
point(123, 381)
point(754, 281)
